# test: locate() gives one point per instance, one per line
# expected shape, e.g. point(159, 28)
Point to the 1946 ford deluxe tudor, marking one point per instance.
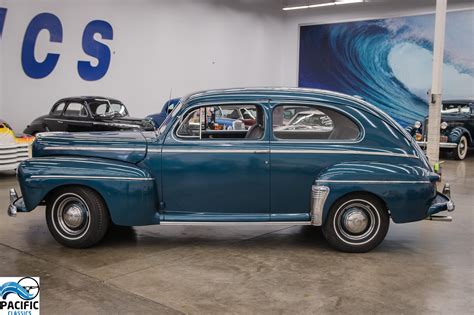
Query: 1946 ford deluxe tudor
point(341, 164)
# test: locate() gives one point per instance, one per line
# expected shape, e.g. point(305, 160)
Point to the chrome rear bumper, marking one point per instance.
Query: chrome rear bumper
point(442, 202)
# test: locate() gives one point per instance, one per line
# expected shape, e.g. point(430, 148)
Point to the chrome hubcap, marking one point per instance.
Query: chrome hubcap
point(72, 215)
point(355, 221)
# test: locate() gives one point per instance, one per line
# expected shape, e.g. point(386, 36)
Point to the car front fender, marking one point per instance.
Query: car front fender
point(456, 133)
point(406, 190)
point(130, 192)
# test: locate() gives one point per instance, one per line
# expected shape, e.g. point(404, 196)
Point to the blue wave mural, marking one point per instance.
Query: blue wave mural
point(14, 288)
point(388, 62)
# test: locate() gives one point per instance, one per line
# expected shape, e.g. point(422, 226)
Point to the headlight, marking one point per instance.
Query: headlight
point(417, 124)
point(444, 125)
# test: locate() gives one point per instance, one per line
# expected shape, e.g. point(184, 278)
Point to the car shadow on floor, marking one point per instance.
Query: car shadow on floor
point(294, 237)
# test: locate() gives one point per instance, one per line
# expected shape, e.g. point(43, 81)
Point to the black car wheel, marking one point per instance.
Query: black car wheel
point(460, 152)
point(356, 223)
point(77, 216)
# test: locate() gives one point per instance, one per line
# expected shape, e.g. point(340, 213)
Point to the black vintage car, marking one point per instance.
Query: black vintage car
point(87, 113)
point(457, 128)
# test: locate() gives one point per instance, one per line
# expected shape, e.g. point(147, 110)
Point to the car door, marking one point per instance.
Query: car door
point(54, 122)
point(301, 132)
point(213, 174)
point(76, 117)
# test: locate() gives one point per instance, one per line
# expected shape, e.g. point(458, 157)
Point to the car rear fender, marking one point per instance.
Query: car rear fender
point(406, 190)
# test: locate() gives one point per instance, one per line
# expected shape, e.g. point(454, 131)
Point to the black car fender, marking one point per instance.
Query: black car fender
point(456, 133)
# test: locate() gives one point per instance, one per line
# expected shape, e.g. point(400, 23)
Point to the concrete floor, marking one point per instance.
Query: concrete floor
point(423, 267)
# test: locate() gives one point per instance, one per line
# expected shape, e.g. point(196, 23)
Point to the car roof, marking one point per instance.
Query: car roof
point(287, 94)
point(460, 102)
point(88, 99)
point(282, 94)
point(266, 93)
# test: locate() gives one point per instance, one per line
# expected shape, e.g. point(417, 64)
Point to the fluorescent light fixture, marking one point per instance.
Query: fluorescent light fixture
point(318, 5)
point(348, 1)
point(296, 8)
point(327, 4)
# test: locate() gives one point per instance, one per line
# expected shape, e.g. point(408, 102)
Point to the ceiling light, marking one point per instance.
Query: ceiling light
point(321, 5)
point(318, 5)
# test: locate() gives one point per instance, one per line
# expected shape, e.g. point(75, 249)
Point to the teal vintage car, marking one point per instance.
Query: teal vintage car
point(341, 164)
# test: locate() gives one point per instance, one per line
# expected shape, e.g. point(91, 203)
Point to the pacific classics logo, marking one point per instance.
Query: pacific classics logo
point(19, 296)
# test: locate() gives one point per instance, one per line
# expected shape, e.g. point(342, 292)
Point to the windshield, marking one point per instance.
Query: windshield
point(455, 109)
point(170, 117)
point(107, 108)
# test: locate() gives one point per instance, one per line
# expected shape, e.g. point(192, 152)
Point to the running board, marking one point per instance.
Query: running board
point(236, 223)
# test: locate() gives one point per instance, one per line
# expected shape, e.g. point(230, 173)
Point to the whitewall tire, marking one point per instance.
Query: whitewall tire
point(77, 216)
point(460, 152)
point(356, 223)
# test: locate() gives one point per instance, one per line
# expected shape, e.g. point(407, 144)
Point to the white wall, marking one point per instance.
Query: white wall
point(157, 45)
point(2, 5)
point(373, 9)
point(186, 45)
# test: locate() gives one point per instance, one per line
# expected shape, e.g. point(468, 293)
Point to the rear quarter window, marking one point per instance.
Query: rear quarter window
point(304, 122)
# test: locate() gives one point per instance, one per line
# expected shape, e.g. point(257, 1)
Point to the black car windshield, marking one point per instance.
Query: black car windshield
point(107, 108)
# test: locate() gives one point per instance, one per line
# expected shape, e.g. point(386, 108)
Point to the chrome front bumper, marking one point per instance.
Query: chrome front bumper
point(442, 202)
point(444, 145)
point(16, 203)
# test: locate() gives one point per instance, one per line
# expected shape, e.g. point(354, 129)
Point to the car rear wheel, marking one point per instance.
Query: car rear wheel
point(357, 223)
point(77, 216)
point(460, 152)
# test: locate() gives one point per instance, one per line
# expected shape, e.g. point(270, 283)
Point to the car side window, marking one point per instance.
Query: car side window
point(304, 122)
point(58, 109)
point(216, 122)
point(75, 110)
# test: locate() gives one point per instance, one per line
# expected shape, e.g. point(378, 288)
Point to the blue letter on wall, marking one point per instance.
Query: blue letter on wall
point(3, 14)
point(33, 68)
point(95, 49)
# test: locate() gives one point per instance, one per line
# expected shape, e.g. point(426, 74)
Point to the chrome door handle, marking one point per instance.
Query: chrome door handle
point(60, 121)
point(261, 151)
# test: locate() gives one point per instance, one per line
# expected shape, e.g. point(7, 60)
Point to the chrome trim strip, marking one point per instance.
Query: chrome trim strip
point(154, 150)
point(90, 177)
point(214, 151)
point(91, 148)
point(308, 151)
point(374, 181)
point(98, 123)
point(358, 152)
point(235, 223)
point(319, 195)
point(448, 145)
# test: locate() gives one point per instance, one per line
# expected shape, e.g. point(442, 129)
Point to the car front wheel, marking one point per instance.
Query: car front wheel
point(460, 152)
point(77, 216)
point(356, 223)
